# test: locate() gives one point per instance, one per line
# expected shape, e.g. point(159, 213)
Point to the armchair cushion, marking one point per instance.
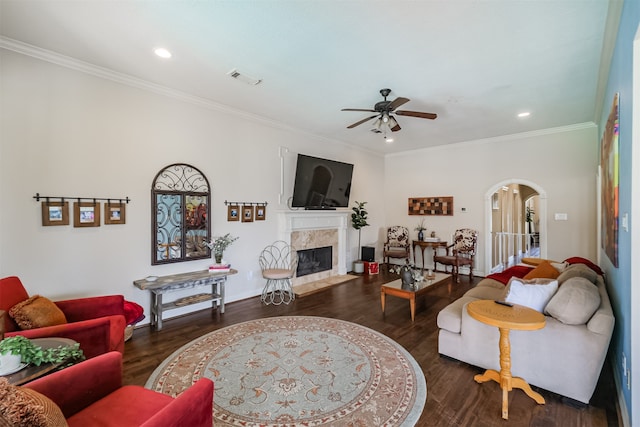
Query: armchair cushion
point(37, 312)
point(25, 407)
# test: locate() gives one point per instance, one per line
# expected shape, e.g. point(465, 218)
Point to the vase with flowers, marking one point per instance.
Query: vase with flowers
point(219, 244)
point(421, 229)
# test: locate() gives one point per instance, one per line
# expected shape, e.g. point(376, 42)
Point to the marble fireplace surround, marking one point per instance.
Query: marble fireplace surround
point(313, 229)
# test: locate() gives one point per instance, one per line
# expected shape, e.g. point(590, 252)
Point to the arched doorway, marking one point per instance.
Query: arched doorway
point(509, 235)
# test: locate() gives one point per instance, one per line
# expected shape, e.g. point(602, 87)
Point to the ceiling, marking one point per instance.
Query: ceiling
point(475, 63)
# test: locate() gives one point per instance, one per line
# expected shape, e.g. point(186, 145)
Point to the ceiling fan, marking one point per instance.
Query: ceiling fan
point(383, 110)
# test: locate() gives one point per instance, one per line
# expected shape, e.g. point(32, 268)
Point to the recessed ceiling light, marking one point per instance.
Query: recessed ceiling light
point(162, 52)
point(388, 139)
point(524, 114)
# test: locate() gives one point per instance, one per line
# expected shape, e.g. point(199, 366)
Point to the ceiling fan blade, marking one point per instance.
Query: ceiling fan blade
point(358, 109)
point(416, 114)
point(361, 122)
point(397, 102)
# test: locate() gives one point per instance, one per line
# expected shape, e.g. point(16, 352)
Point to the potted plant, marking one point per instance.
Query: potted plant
point(358, 221)
point(33, 354)
point(219, 244)
point(421, 229)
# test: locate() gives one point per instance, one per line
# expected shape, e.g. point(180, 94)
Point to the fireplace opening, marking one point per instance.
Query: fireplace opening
point(314, 260)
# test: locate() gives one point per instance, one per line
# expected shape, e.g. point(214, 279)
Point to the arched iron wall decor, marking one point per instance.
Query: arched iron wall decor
point(180, 199)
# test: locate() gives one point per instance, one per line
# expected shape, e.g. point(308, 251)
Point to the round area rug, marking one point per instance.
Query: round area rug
point(302, 371)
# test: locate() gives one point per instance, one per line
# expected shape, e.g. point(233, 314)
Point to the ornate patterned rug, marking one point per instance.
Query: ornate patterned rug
point(302, 371)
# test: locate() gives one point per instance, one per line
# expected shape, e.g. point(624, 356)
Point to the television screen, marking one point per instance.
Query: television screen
point(321, 183)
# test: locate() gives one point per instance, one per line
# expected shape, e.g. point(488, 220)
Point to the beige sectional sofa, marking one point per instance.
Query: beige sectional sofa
point(564, 357)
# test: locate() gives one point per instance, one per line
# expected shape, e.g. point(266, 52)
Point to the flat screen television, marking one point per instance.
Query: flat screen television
point(321, 183)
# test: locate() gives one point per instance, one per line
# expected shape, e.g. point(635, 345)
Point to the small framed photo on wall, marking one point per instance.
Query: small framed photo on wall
point(247, 213)
point(86, 214)
point(55, 213)
point(261, 212)
point(233, 213)
point(114, 213)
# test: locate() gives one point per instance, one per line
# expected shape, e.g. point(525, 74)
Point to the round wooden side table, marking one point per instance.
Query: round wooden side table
point(506, 318)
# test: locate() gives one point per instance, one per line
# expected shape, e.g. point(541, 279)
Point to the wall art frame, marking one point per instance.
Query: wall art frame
point(55, 213)
point(261, 213)
point(233, 213)
point(609, 167)
point(86, 214)
point(247, 213)
point(114, 213)
point(442, 205)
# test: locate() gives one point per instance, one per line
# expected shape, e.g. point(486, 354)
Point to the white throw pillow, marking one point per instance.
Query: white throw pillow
point(534, 293)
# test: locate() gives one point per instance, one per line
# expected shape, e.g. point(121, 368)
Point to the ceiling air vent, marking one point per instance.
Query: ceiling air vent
point(243, 78)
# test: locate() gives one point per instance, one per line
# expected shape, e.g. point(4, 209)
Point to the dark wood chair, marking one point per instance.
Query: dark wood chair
point(397, 244)
point(461, 252)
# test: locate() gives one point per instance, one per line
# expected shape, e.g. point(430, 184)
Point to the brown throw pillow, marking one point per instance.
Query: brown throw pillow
point(21, 406)
point(37, 312)
point(544, 270)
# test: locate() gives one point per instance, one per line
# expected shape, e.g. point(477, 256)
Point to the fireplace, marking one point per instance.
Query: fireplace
point(317, 229)
point(314, 260)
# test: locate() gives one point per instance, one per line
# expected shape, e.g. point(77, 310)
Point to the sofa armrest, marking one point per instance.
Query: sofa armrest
point(78, 386)
point(95, 336)
point(79, 309)
point(193, 407)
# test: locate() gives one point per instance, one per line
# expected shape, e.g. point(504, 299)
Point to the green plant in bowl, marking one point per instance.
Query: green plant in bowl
point(35, 355)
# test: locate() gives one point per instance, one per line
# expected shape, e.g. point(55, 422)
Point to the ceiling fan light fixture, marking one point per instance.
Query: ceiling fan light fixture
point(392, 122)
point(385, 117)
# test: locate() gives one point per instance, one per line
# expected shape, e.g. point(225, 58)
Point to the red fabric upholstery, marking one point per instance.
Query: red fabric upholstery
point(91, 394)
point(518, 271)
point(96, 323)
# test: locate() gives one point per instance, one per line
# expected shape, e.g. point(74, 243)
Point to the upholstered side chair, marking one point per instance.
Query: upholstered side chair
point(459, 253)
point(397, 244)
point(278, 262)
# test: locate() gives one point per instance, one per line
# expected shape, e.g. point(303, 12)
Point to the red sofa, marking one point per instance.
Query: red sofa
point(96, 323)
point(91, 394)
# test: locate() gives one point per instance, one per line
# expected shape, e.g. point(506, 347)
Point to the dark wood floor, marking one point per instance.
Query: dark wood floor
point(453, 397)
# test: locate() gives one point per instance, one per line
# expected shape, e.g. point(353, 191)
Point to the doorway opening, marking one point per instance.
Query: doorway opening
point(516, 224)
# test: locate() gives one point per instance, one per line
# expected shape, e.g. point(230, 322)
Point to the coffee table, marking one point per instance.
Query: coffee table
point(506, 318)
point(32, 372)
point(396, 289)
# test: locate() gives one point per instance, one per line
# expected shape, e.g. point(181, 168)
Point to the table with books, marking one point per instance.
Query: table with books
point(216, 277)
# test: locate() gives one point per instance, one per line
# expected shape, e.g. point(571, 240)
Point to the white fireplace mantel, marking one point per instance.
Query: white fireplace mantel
point(289, 221)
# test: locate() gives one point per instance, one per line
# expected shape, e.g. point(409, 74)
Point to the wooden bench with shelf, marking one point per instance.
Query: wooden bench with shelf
point(176, 282)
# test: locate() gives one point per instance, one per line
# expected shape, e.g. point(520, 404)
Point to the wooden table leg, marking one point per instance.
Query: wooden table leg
point(412, 304)
point(383, 299)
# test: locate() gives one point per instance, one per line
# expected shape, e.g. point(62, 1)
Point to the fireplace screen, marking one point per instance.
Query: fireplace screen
point(314, 260)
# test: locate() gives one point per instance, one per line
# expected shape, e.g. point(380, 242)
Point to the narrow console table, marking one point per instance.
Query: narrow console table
point(176, 282)
point(423, 246)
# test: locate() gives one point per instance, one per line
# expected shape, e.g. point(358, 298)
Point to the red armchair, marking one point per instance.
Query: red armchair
point(91, 393)
point(96, 323)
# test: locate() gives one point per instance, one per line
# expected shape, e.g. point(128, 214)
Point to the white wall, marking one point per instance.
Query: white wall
point(562, 161)
point(67, 133)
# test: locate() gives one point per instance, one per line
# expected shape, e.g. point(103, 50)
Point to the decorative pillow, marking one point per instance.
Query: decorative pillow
point(37, 312)
point(579, 260)
point(544, 270)
point(534, 293)
point(20, 406)
point(515, 271)
point(577, 270)
point(575, 302)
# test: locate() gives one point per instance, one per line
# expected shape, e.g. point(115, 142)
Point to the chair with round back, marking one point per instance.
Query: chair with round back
point(278, 263)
